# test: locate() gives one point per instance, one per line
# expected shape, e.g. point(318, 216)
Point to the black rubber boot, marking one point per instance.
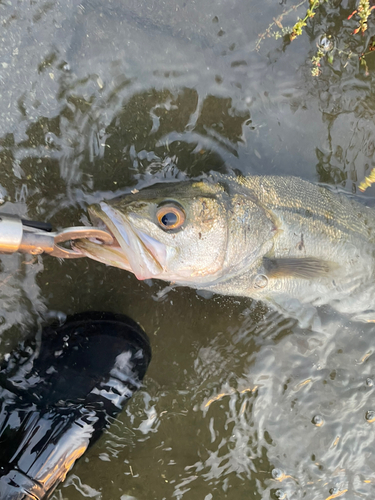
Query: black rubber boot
point(56, 397)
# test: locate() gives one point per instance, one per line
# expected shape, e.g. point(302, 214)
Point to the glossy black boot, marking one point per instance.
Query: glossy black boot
point(56, 397)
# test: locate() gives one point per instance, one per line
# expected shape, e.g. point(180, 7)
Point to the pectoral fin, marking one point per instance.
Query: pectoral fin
point(305, 268)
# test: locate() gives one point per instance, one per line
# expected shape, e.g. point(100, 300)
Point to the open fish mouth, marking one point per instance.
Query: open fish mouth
point(131, 249)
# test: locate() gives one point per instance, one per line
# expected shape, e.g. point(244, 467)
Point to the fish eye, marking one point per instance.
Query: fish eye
point(170, 217)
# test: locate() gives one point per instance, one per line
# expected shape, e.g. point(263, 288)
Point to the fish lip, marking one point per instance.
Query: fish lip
point(144, 255)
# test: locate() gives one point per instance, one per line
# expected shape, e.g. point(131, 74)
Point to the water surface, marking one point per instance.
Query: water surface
point(98, 98)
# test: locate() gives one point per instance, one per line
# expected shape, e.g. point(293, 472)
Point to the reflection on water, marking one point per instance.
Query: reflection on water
point(101, 98)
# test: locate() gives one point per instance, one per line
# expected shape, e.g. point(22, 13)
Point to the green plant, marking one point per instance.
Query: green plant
point(327, 48)
point(363, 11)
point(297, 28)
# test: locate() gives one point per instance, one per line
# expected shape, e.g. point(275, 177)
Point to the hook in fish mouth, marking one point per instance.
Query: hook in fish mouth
point(132, 249)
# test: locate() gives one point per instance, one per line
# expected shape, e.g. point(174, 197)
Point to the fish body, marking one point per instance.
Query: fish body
point(281, 240)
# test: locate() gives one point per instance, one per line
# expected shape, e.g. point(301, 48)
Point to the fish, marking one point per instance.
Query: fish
point(285, 241)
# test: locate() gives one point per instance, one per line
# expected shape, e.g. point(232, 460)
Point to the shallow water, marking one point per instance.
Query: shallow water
point(98, 98)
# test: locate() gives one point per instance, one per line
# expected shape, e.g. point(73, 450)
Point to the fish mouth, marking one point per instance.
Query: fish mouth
point(132, 249)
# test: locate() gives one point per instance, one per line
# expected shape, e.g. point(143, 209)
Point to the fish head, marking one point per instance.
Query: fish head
point(176, 232)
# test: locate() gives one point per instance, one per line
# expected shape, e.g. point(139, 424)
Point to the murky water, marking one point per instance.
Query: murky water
point(98, 98)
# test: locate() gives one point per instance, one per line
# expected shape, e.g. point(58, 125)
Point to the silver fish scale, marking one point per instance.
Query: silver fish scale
point(312, 222)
